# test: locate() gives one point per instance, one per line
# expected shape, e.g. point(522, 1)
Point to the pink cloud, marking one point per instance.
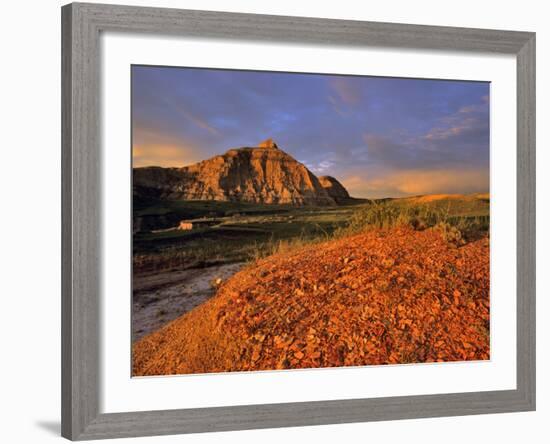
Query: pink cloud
point(347, 90)
point(420, 181)
point(150, 148)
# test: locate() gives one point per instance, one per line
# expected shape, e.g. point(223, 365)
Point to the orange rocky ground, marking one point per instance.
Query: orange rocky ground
point(382, 297)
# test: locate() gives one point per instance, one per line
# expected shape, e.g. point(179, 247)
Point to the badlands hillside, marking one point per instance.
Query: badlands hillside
point(263, 174)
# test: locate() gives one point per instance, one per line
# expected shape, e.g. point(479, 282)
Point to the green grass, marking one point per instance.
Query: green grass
point(197, 209)
point(471, 205)
point(469, 217)
point(244, 232)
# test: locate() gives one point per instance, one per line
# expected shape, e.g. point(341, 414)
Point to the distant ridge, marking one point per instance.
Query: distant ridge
point(257, 174)
point(437, 197)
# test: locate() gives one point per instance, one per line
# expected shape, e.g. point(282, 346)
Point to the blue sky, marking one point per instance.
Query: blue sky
point(381, 137)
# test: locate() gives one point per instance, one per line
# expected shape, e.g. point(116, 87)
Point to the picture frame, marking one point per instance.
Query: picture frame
point(82, 24)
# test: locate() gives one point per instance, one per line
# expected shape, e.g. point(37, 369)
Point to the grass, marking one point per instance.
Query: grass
point(247, 232)
point(228, 242)
point(203, 208)
point(470, 220)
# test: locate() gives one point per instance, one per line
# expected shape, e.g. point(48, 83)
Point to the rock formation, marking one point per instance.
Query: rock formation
point(334, 189)
point(268, 143)
point(262, 174)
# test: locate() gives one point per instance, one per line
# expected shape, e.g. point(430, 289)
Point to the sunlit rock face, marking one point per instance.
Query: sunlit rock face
point(261, 174)
point(268, 143)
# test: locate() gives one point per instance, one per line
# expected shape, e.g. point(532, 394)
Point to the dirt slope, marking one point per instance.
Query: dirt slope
point(381, 297)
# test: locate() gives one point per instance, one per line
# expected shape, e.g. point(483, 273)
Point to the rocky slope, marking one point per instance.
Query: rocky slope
point(262, 174)
point(334, 189)
point(380, 297)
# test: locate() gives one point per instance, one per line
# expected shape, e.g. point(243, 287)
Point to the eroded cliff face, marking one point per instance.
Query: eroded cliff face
point(334, 189)
point(262, 174)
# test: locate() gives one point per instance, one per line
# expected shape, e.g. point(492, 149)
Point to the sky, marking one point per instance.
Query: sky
point(379, 136)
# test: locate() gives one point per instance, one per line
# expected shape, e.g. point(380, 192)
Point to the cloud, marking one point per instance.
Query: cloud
point(160, 155)
point(451, 156)
point(347, 89)
point(463, 135)
point(421, 181)
point(336, 106)
point(472, 109)
point(321, 167)
point(457, 139)
point(152, 148)
point(386, 151)
point(200, 122)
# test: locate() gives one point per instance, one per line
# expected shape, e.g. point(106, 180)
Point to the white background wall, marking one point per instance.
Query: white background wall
point(30, 220)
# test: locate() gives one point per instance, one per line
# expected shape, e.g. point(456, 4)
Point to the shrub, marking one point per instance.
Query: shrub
point(450, 233)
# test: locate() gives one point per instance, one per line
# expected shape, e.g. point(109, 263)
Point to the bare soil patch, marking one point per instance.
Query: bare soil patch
point(158, 298)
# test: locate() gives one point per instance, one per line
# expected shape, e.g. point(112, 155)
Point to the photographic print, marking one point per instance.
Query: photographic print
point(298, 220)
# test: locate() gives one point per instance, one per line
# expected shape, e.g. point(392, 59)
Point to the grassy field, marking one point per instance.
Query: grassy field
point(235, 232)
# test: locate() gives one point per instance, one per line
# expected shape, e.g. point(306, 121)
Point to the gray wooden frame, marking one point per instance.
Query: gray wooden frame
point(81, 166)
